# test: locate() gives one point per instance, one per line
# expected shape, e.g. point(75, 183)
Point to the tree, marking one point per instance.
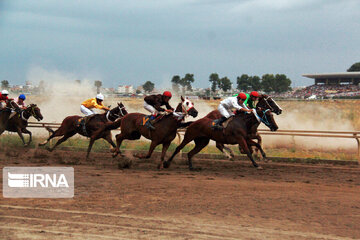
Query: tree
point(4, 84)
point(243, 82)
point(355, 67)
point(148, 86)
point(268, 83)
point(186, 81)
point(98, 85)
point(254, 83)
point(278, 83)
point(283, 83)
point(175, 83)
point(214, 79)
point(225, 84)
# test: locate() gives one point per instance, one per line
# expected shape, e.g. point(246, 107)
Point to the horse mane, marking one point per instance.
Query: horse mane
point(178, 108)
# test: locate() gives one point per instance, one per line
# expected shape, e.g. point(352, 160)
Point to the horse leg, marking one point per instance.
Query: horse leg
point(258, 146)
point(243, 145)
point(61, 140)
point(200, 143)
point(24, 130)
point(19, 132)
point(92, 140)
point(109, 140)
point(59, 132)
point(119, 138)
point(185, 141)
point(229, 153)
point(165, 147)
point(151, 149)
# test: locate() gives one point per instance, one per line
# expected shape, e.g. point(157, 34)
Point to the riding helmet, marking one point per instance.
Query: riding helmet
point(22, 97)
point(254, 94)
point(242, 96)
point(167, 94)
point(4, 92)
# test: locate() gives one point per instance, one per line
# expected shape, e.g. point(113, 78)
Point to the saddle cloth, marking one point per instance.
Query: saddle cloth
point(224, 124)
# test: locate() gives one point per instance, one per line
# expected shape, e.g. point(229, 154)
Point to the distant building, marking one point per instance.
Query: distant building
point(350, 78)
point(125, 89)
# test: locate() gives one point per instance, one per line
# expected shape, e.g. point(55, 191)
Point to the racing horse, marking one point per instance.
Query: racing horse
point(264, 102)
point(19, 122)
point(238, 132)
point(132, 128)
point(70, 126)
point(5, 112)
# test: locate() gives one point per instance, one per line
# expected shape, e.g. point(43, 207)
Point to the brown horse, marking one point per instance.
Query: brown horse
point(264, 102)
point(70, 126)
point(237, 132)
point(5, 111)
point(132, 128)
point(19, 122)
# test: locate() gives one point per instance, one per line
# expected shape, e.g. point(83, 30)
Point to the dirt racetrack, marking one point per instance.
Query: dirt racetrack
point(226, 200)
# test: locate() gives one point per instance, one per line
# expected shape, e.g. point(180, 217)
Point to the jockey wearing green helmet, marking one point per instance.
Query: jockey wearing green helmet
point(250, 99)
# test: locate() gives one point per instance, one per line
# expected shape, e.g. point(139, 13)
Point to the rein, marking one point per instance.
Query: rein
point(263, 119)
point(114, 115)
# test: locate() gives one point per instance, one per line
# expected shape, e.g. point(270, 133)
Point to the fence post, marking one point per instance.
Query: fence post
point(358, 143)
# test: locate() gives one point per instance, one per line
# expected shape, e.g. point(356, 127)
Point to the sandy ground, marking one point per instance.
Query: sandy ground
point(225, 200)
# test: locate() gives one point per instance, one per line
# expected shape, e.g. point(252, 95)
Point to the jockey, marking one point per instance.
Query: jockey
point(18, 104)
point(20, 101)
point(3, 97)
point(153, 104)
point(251, 98)
point(96, 102)
point(226, 106)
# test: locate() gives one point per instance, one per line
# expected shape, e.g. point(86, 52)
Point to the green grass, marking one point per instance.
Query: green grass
point(81, 144)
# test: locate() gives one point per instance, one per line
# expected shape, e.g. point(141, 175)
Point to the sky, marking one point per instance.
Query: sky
point(130, 42)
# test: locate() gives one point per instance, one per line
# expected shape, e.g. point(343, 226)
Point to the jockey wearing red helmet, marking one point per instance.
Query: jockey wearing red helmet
point(251, 98)
point(153, 104)
point(225, 108)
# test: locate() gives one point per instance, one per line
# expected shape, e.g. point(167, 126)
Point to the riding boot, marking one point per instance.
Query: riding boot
point(219, 122)
point(150, 122)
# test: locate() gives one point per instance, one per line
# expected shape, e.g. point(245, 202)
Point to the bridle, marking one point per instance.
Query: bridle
point(110, 114)
point(264, 119)
point(31, 113)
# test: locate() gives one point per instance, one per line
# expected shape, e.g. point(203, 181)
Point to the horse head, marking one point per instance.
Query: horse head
point(117, 112)
point(265, 116)
point(34, 110)
point(267, 102)
point(188, 107)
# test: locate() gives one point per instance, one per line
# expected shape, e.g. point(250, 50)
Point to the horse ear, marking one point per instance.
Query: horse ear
point(182, 98)
point(118, 104)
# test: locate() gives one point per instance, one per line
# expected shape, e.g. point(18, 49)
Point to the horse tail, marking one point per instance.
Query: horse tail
point(49, 129)
point(113, 125)
point(185, 124)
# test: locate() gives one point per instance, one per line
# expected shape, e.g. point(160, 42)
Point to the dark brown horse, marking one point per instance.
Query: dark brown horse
point(5, 111)
point(237, 132)
point(70, 126)
point(132, 128)
point(265, 102)
point(19, 122)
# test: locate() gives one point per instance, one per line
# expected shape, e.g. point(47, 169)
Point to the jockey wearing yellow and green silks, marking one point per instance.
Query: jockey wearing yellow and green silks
point(250, 99)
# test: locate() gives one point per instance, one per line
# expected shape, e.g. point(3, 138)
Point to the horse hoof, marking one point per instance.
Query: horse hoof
point(160, 166)
point(166, 164)
point(259, 168)
point(114, 154)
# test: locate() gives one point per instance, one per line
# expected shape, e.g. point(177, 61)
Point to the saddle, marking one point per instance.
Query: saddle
point(146, 119)
point(214, 123)
point(81, 124)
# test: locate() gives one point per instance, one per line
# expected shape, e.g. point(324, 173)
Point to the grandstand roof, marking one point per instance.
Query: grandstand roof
point(333, 75)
